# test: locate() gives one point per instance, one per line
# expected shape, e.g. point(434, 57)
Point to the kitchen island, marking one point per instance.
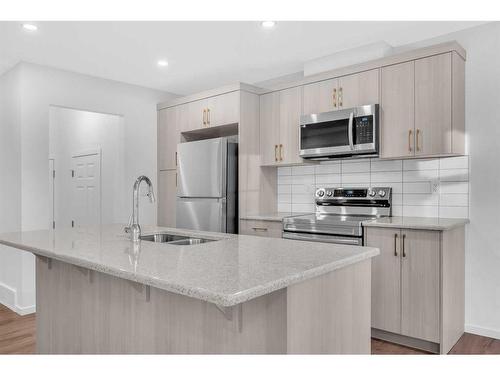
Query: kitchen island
point(98, 292)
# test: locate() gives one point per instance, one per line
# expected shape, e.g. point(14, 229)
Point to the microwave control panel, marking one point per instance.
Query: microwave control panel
point(363, 130)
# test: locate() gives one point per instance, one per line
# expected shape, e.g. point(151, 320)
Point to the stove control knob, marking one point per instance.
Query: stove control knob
point(321, 193)
point(329, 193)
point(372, 193)
point(381, 193)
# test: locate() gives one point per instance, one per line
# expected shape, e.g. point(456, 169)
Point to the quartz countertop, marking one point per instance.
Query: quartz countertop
point(229, 271)
point(271, 216)
point(407, 222)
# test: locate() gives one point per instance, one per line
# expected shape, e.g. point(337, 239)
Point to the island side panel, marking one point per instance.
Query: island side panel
point(330, 314)
point(84, 311)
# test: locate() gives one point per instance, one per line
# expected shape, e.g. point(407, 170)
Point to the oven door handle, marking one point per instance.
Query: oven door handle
point(322, 238)
point(351, 130)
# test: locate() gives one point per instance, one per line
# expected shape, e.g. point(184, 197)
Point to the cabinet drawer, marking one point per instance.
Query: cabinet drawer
point(261, 228)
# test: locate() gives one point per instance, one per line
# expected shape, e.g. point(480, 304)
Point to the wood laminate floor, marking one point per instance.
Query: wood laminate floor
point(18, 335)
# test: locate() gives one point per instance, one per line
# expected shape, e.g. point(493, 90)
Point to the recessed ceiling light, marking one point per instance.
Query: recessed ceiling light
point(268, 24)
point(162, 63)
point(30, 27)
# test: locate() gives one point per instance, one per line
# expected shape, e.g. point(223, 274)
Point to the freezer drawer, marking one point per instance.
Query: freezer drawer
point(202, 168)
point(207, 214)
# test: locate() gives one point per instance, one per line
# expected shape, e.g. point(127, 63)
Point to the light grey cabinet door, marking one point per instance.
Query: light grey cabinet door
point(386, 279)
point(420, 284)
point(168, 137)
point(166, 198)
point(433, 101)
point(269, 128)
point(359, 89)
point(397, 111)
point(320, 97)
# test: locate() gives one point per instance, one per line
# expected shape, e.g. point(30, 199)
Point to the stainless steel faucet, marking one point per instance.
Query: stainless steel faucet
point(133, 226)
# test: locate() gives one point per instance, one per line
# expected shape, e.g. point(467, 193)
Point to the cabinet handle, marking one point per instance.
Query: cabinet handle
point(175, 179)
point(404, 252)
point(334, 98)
point(281, 152)
point(275, 153)
point(395, 244)
point(208, 116)
point(409, 140)
point(418, 135)
point(176, 158)
point(204, 117)
point(258, 229)
point(341, 97)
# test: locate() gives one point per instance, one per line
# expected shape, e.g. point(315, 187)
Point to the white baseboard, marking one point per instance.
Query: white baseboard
point(8, 298)
point(482, 331)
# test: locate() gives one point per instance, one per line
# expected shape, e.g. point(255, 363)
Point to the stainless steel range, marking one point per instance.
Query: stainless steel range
point(339, 215)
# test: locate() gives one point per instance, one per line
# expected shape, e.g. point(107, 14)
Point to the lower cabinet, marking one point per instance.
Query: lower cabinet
point(261, 228)
point(416, 277)
point(167, 195)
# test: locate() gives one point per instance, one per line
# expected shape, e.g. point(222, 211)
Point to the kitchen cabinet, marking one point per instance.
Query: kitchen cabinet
point(358, 89)
point(422, 107)
point(279, 127)
point(261, 228)
point(320, 97)
point(214, 111)
point(168, 137)
point(341, 93)
point(433, 123)
point(269, 128)
point(166, 197)
point(418, 286)
point(386, 279)
point(397, 110)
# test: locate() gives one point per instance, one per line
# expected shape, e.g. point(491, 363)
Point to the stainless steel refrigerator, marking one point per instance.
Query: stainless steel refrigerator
point(207, 186)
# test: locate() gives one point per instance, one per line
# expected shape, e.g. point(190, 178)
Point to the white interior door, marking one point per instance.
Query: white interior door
point(86, 189)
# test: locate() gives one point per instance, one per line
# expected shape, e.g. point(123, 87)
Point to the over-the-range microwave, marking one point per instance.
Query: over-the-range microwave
point(343, 133)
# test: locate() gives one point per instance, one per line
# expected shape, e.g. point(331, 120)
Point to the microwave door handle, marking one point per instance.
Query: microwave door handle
point(350, 130)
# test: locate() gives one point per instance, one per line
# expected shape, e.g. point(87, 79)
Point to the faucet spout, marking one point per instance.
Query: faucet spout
point(134, 228)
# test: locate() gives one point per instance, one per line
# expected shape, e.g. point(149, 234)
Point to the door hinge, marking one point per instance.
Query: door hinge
point(72, 223)
point(72, 173)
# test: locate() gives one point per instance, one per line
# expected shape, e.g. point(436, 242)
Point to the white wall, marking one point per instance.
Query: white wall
point(11, 277)
point(74, 131)
point(40, 88)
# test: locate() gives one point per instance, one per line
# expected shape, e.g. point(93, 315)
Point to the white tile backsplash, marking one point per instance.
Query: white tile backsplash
point(424, 187)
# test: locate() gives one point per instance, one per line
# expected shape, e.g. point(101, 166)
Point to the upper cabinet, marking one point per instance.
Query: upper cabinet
point(321, 96)
point(340, 93)
point(358, 89)
point(422, 107)
point(214, 111)
point(279, 127)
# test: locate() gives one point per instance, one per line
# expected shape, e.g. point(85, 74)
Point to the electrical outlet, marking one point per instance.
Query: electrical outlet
point(435, 186)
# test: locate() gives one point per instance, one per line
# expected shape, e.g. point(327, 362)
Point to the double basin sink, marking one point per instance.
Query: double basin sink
point(173, 239)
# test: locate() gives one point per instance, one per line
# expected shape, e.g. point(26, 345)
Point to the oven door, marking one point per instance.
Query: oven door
point(346, 132)
point(324, 238)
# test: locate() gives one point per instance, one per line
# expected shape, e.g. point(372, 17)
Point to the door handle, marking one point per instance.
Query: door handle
point(204, 117)
point(275, 153)
point(418, 135)
point(409, 140)
point(395, 244)
point(341, 97)
point(404, 252)
point(208, 116)
point(176, 158)
point(334, 98)
point(281, 152)
point(350, 130)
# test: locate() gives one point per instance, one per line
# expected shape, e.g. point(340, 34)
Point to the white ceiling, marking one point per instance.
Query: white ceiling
point(201, 55)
